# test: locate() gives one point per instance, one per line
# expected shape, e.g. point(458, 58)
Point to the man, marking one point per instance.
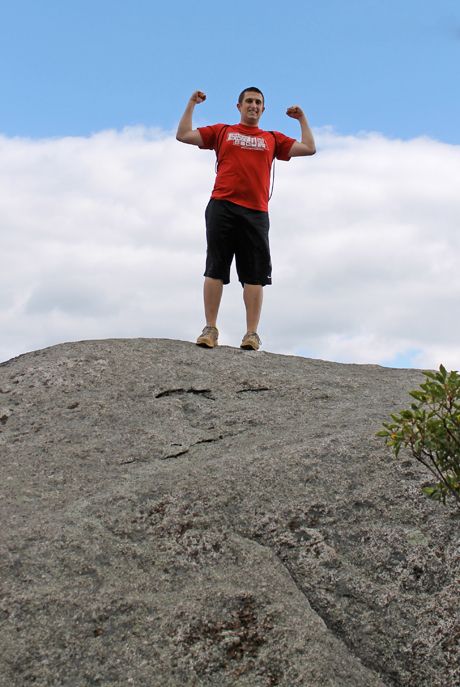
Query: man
point(237, 215)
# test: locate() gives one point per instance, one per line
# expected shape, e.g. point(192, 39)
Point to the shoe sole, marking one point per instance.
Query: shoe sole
point(249, 347)
point(206, 344)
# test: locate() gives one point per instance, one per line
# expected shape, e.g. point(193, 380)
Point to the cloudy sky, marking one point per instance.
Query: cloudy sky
point(101, 209)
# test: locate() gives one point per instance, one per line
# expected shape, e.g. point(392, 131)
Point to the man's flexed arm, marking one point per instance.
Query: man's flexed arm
point(185, 133)
point(307, 145)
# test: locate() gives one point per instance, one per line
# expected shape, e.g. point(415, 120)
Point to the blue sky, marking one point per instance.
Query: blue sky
point(73, 67)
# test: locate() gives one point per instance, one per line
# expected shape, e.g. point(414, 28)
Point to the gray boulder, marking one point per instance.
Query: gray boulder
point(176, 516)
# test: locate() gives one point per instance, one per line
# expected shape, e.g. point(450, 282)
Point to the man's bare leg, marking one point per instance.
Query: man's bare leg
point(253, 296)
point(212, 293)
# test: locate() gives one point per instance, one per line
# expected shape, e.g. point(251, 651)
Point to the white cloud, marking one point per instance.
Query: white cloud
point(104, 237)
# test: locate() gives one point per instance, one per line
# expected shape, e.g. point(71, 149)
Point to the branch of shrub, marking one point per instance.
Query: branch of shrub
point(431, 430)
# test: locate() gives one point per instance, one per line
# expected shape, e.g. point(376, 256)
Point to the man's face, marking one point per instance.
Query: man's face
point(251, 108)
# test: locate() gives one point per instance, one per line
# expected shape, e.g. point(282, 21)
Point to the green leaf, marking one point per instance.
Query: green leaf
point(429, 491)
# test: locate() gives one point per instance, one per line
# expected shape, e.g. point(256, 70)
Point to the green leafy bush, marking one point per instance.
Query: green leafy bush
point(431, 430)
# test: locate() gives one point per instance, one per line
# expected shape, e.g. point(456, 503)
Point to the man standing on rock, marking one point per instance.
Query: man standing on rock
point(237, 215)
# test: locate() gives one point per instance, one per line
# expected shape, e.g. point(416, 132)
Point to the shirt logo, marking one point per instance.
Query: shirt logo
point(243, 141)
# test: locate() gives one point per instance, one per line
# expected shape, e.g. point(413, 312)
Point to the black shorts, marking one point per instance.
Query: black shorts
point(233, 230)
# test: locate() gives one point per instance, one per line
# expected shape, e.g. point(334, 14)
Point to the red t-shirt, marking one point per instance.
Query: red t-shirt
point(244, 161)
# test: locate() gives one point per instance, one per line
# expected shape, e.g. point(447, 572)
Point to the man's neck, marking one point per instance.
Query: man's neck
point(250, 125)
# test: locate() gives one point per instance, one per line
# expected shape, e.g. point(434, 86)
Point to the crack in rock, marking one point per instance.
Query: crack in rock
point(196, 443)
point(254, 389)
point(198, 392)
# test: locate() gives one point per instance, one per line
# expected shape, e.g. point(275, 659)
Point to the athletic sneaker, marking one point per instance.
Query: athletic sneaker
point(251, 340)
point(208, 337)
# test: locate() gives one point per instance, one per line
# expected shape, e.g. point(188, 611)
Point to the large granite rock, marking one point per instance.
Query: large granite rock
point(178, 516)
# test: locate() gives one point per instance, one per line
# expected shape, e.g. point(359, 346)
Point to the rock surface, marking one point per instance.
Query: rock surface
point(177, 516)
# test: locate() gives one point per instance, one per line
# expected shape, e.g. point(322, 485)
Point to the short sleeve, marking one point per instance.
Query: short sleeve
point(210, 134)
point(283, 146)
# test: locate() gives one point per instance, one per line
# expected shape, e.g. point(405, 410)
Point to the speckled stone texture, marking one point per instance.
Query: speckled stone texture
point(178, 516)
